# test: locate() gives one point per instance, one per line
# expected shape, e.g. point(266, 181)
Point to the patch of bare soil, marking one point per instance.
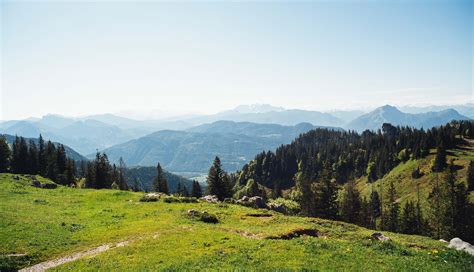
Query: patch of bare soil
point(295, 233)
point(54, 263)
point(259, 215)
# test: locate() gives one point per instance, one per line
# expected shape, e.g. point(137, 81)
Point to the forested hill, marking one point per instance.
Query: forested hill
point(347, 155)
point(399, 179)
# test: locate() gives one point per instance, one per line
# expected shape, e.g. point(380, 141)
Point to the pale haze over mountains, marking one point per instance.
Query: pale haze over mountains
point(187, 144)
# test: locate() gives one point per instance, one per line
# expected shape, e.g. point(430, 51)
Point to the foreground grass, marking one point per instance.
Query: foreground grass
point(46, 224)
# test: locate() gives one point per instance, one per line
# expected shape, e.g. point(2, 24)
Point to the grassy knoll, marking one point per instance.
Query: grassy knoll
point(45, 224)
point(408, 187)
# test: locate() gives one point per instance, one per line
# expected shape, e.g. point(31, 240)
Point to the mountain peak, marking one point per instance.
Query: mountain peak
point(257, 108)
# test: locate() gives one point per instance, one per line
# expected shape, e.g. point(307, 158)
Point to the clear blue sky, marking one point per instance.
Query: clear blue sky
point(83, 58)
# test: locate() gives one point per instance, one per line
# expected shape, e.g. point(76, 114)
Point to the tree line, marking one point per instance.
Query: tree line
point(45, 158)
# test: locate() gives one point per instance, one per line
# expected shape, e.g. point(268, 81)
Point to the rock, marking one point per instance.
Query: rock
point(255, 201)
point(277, 207)
point(258, 202)
point(49, 186)
point(36, 183)
point(442, 240)
point(380, 236)
point(16, 177)
point(459, 244)
point(150, 197)
point(210, 198)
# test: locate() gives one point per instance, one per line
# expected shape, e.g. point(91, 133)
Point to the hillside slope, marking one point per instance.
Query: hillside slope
point(193, 150)
point(408, 187)
point(159, 236)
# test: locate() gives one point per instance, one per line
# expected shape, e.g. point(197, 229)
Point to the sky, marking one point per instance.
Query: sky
point(80, 58)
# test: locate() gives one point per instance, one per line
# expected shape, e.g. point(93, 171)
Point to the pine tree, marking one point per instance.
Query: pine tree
point(326, 198)
point(33, 158)
point(70, 172)
point(51, 161)
point(160, 184)
point(470, 176)
point(408, 218)
point(439, 163)
point(350, 203)
point(304, 193)
point(5, 155)
point(218, 181)
point(196, 190)
point(41, 157)
point(391, 210)
point(375, 208)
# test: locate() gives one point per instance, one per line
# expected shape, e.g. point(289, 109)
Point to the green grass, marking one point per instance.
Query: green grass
point(407, 187)
point(47, 224)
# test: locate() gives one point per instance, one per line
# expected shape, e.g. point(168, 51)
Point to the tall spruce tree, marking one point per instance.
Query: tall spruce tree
point(218, 182)
point(439, 163)
point(350, 203)
point(304, 193)
point(33, 158)
point(160, 184)
point(375, 208)
point(390, 212)
point(41, 156)
point(5, 155)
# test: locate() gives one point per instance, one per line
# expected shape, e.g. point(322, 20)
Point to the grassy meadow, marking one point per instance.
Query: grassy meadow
point(43, 224)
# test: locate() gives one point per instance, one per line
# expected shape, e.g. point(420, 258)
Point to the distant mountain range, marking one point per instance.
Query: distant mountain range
point(194, 149)
point(389, 114)
point(254, 130)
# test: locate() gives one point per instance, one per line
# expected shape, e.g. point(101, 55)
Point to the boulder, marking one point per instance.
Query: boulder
point(277, 207)
point(255, 201)
point(150, 197)
point(380, 236)
point(210, 198)
point(258, 202)
point(459, 244)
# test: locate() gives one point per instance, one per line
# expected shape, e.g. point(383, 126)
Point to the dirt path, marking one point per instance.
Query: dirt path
point(53, 263)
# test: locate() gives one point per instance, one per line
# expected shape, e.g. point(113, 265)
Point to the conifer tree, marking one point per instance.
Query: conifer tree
point(439, 163)
point(41, 156)
point(391, 211)
point(160, 184)
point(351, 203)
point(218, 181)
point(5, 155)
point(304, 193)
point(375, 208)
point(326, 198)
point(33, 158)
